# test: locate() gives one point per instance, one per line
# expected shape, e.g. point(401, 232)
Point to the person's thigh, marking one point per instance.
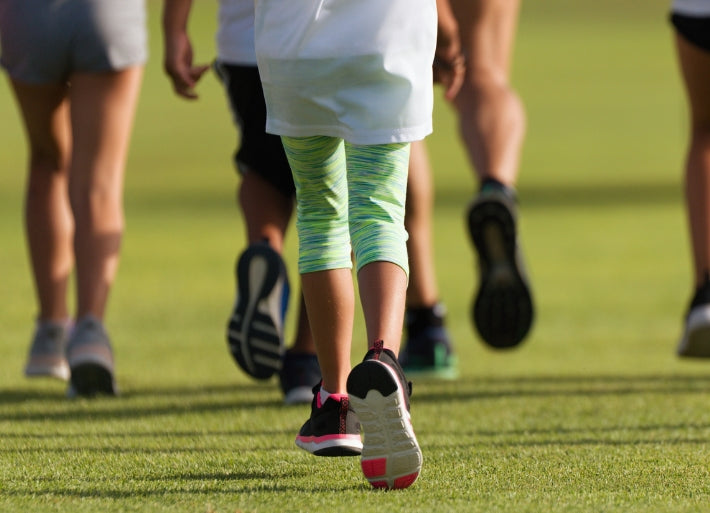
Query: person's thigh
point(695, 64)
point(102, 112)
point(487, 29)
point(44, 111)
point(259, 152)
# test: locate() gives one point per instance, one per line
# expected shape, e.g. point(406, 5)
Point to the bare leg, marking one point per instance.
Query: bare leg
point(428, 347)
point(267, 214)
point(695, 65)
point(491, 116)
point(383, 288)
point(422, 290)
point(330, 299)
point(48, 222)
point(102, 112)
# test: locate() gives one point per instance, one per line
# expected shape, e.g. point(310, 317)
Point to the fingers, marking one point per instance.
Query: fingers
point(179, 66)
point(450, 73)
point(185, 79)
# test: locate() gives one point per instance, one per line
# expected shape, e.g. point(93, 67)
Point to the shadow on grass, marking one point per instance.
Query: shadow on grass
point(431, 391)
point(229, 483)
point(594, 195)
point(186, 400)
point(38, 405)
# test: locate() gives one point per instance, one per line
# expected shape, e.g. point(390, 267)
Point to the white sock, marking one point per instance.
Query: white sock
point(324, 395)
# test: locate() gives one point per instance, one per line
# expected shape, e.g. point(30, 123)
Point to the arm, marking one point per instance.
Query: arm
point(449, 63)
point(177, 58)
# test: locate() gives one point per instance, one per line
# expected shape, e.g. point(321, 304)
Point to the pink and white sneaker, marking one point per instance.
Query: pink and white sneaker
point(379, 394)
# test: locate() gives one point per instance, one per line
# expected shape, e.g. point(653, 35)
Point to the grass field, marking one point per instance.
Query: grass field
point(593, 413)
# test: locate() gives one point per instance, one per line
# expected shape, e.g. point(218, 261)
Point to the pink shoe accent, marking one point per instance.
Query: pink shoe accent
point(405, 481)
point(374, 468)
point(377, 347)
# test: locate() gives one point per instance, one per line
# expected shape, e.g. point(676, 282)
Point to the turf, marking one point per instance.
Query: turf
point(593, 413)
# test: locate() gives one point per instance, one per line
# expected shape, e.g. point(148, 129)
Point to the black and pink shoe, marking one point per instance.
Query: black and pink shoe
point(379, 394)
point(333, 428)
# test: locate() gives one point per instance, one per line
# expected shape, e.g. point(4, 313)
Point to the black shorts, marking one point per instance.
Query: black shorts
point(695, 30)
point(258, 152)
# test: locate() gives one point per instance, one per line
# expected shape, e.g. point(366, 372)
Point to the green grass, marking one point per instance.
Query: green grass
point(593, 413)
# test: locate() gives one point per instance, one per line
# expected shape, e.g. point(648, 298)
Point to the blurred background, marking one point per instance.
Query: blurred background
point(602, 218)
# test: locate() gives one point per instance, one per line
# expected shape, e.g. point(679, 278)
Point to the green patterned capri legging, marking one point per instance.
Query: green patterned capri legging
point(349, 196)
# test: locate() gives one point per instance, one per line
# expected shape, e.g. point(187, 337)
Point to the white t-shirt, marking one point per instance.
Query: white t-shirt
point(699, 8)
point(235, 35)
point(359, 70)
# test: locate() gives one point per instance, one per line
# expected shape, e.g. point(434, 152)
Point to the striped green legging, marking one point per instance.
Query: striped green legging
point(348, 194)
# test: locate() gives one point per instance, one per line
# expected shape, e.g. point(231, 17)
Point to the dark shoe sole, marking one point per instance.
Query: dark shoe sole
point(326, 446)
point(696, 338)
point(391, 457)
point(502, 309)
point(255, 337)
point(91, 379)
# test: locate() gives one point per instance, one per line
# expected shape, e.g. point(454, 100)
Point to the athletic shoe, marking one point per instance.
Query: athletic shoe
point(428, 350)
point(379, 393)
point(333, 428)
point(299, 374)
point(503, 309)
point(46, 357)
point(90, 359)
point(255, 332)
point(696, 336)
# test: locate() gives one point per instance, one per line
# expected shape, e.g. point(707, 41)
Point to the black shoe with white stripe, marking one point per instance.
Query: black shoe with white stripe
point(255, 332)
point(332, 429)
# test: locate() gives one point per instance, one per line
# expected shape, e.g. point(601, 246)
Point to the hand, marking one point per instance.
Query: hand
point(449, 65)
point(179, 67)
point(450, 71)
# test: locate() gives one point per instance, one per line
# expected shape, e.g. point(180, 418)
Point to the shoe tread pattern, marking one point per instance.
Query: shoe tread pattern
point(503, 307)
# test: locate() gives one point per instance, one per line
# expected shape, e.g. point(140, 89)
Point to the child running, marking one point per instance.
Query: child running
point(348, 85)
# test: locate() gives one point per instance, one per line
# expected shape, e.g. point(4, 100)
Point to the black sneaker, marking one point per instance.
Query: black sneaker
point(503, 308)
point(299, 373)
point(696, 335)
point(379, 393)
point(90, 359)
point(427, 350)
point(255, 332)
point(333, 428)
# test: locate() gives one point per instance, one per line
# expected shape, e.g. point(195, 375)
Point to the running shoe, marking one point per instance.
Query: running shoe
point(427, 350)
point(379, 393)
point(255, 332)
point(695, 342)
point(333, 428)
point(503, 308)
point(90, 359)
point(299, 373)
point(46, 357)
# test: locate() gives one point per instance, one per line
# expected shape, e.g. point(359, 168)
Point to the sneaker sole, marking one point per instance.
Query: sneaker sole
point(332, 445)
point(696, 339)
point(502, 309)
point(391, 457)
point(90, 378)
point(255, 337)
point(60, 372)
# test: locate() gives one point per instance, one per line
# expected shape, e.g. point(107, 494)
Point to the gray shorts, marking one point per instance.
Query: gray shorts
point(45, 41)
